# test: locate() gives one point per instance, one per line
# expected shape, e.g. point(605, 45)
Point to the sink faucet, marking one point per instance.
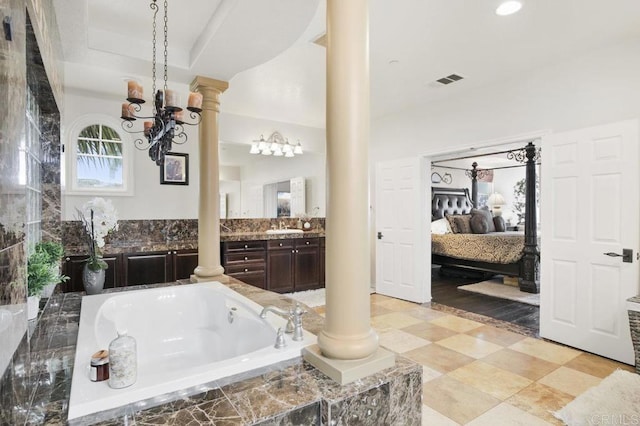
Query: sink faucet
point(294, 319)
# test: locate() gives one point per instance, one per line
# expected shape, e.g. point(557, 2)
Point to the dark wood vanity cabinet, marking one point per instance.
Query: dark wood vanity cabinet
point(293, 264)
point(128, 269)
point(245, 261)
point(321, 259)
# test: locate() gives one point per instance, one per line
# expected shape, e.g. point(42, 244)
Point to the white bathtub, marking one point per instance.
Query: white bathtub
point(184, 339)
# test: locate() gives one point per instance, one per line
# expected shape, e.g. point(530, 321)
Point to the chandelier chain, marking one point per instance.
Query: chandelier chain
point(154, 7)
point(166, 42)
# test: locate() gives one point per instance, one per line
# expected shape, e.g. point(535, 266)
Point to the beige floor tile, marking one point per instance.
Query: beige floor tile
point(496, 335)
point(596, 365)
point(492, 380)
point(377, 310)
point(376, 297)
point(398, 305)
point(320, 309)
point(570, 381)
point(454, 323)
point(431, 417)
point(400, 341)
point(424, 313)
point(521, 364)
point(429, 374)
point(439, 358)
point(507, 415)
point(470, 346)
point(541, 401)
point(429, 331)
point(456, 400)
point(545, 350)
point(393, 320)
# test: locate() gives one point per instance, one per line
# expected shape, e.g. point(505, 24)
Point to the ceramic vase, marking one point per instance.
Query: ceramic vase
point(93, 280)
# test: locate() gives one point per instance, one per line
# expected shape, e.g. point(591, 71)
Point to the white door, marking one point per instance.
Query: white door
point(589, 208)
point(403, 246)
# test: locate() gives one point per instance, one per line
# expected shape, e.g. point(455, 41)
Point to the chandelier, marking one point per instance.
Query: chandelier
point(166, 126)
point(275, 145)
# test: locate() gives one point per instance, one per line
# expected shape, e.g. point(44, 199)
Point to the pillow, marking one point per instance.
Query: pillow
point(498, 221)
point(479, 224)
point(441, 226)
point(452, 222)
point(488, 217)
point(463, 223)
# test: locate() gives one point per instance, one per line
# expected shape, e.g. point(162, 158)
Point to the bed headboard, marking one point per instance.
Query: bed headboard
point(449, 201)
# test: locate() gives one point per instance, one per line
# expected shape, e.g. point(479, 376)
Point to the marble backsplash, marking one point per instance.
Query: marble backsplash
point(163, 234)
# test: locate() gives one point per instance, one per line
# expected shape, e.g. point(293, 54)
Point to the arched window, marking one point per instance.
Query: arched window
point(100, 161)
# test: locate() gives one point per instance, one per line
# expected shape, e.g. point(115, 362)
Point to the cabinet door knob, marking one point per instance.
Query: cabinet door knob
point(246, 269)
point(68, 259)
point(307, 242)
point(293, 251)
point(169, 252)
point(280, 244)
point(246, 258)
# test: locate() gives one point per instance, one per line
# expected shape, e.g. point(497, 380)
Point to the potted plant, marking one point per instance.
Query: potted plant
point(99, 218)
point(39, 275)
point(54, 251)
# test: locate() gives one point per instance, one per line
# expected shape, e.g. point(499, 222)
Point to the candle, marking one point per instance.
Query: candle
point(171, 98)
point(147, 127)
point(127, 111)
point(195, 100)
point(134, 90)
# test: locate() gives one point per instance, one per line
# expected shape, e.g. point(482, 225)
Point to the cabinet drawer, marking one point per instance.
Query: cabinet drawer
point(246, 267)
point(306, 242)
point(280, 244)
point(235, 246)
point(248, 256)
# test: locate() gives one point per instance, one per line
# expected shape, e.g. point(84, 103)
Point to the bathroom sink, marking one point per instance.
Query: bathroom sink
point(284, 231)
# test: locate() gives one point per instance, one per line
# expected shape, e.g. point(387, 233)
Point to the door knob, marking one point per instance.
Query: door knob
point(627, 255)
point(380, 235)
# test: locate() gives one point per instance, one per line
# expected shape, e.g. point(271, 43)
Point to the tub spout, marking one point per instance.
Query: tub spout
point(294, 319)
point(274, 309)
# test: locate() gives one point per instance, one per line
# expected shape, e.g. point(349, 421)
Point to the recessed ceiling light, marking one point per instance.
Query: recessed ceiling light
point(508, 7)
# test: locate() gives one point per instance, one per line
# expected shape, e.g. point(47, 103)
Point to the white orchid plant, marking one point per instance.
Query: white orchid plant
point(98, 217)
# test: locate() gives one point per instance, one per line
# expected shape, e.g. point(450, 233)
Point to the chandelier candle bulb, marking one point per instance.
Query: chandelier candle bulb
point(134, 90)
point(147, 127)
point(127, 111)
point(171, 99)
point(195, 100)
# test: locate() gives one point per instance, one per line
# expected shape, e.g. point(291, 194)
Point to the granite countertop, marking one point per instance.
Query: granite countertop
point(252, 236)
point(278, 394)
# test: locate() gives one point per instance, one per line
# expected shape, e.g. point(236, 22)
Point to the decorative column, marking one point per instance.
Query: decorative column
point(209, 267)
point(530, 281)
point(474, 184)
point(347, 346)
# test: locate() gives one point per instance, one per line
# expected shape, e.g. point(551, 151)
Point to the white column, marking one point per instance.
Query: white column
point(347, 333)
point(209, 267)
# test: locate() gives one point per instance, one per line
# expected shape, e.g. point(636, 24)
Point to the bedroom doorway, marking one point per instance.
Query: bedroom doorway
point(492, 178)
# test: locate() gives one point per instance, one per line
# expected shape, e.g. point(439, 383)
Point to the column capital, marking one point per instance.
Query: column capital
point(201, 84)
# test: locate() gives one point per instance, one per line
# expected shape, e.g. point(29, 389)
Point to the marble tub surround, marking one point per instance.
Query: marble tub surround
point(291, 392)
point(232, 226)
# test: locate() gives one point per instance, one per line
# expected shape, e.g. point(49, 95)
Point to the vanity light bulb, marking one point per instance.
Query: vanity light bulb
point(254, 149)
point(298, 149)
point(289, 154)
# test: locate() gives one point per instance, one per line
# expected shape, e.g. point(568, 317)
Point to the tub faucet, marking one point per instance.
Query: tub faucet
point(294, 319)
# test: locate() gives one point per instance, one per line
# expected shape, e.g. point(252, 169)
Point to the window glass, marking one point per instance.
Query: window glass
point(99, 158)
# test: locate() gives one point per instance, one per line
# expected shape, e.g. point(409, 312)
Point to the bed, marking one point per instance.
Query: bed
point(513, 254)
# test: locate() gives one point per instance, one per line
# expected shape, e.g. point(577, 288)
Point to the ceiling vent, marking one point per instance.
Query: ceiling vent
point(449, 79)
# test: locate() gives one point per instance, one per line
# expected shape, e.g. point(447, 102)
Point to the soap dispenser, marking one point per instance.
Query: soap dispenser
point(123, 363)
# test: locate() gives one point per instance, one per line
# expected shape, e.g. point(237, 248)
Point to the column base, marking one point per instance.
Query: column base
point(198, 279)
point(347, 371)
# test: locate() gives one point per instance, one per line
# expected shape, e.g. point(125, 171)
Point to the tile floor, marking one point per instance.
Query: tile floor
point(478, 374)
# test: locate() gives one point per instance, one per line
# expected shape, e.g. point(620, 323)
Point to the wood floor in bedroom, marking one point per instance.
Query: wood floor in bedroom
point(444, 290)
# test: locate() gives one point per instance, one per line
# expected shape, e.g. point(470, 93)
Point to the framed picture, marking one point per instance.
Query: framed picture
point(175, 170)
point(284, 204)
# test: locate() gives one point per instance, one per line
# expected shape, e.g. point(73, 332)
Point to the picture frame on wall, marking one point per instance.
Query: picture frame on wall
point(175, 170)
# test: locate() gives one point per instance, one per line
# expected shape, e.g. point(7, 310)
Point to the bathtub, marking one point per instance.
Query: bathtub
point(186, 336)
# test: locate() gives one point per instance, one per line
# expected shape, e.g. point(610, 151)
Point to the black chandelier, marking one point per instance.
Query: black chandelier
point(166, 126)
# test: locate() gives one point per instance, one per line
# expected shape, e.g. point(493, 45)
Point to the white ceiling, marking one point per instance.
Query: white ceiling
point(263, 47)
